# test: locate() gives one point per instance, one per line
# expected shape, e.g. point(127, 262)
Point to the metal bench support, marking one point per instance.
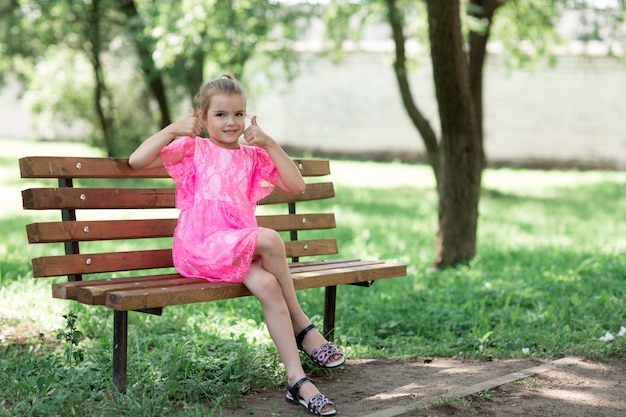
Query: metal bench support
point(120, 350)
point(330, 302)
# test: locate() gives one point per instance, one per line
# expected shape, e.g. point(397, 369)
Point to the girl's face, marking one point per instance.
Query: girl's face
point(225, 120)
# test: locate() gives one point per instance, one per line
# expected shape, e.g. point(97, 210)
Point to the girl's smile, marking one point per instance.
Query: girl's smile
point(225, 120)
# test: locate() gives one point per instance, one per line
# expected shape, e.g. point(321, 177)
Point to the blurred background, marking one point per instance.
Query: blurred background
point(319, 75)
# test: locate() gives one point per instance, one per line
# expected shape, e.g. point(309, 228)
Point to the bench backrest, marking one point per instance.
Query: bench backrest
point(104, 185)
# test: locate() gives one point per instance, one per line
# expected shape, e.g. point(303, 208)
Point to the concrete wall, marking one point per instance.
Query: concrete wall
point(573, 113)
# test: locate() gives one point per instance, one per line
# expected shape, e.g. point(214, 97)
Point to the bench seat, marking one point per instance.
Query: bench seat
point(153, 291)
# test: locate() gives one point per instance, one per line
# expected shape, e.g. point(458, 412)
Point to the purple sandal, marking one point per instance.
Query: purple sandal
point(315, 404)
point(322, 354)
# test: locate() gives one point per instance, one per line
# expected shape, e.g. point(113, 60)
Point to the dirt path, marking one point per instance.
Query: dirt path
point(443, 387)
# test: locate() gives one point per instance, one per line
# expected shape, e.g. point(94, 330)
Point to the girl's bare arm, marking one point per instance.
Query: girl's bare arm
point(289, 177)
point(147, 154)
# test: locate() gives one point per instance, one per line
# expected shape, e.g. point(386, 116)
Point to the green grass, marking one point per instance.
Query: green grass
point(548, 280)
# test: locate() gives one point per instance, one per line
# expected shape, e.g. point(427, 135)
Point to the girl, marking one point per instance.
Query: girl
point(218, 183)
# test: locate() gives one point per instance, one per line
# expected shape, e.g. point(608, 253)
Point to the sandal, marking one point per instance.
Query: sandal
point(315, 404)
point(322, 354)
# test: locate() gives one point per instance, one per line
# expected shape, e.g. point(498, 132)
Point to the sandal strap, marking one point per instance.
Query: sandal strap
point(300, 336)
point(317, 403)
point(322, 354)
point(295, 388)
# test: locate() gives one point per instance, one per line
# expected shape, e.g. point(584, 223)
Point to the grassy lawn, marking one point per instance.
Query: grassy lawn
point(548, 280)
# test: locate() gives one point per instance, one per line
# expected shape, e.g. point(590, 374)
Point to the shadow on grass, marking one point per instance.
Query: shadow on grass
point(551, 302)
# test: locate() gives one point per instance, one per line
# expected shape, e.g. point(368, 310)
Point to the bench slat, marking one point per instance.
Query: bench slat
point(97, 198)
point(300, 268)
point(93, 263)
point(138, 299)
point(69, 290)
point(96, 294)
point(291, 222)
point(315, 191)
point(83, 167)
point(140, 198)
point(80, 167)
point(84, 231)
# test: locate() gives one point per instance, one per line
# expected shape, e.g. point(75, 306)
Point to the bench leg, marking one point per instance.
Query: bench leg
point(329, 312)
point(120, 349)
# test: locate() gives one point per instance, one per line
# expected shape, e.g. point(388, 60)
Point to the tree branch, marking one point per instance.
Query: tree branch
point(419, 121)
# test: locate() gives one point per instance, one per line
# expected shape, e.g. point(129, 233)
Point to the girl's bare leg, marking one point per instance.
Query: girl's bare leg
point(271, 250)
point(266, 288)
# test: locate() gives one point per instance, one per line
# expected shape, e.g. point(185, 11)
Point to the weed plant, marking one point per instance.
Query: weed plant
point(548, 280)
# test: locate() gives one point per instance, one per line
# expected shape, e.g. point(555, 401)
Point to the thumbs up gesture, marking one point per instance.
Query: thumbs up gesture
point(255, 136)
point(188, 126)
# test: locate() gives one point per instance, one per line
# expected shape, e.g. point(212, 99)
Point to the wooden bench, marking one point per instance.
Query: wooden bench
point(109, 212)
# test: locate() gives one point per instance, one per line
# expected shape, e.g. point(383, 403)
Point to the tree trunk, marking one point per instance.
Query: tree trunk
point(144, 49)
point(193, 72)
point(461, 162)
point(419, 121)
point(482, 10)
point(102, 99)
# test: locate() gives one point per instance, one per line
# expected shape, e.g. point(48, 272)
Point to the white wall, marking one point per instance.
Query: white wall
point(574, 112)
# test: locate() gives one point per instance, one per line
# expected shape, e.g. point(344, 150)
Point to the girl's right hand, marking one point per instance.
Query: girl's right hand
point(147, 154)
point(189, 126)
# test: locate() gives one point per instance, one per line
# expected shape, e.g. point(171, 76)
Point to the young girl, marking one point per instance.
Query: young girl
point(218, 183)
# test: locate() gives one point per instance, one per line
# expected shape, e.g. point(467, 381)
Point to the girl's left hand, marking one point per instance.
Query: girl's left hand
point(255, 136)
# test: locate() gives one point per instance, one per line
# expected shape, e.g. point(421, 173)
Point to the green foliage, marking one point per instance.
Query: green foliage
point(80, 61)
point(527, 31)
point(71, 336)
point(548, 281)
point(346, 22)
point(197, 39)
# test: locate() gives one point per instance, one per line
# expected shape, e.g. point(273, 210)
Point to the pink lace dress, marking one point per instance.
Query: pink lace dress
point(216, 192)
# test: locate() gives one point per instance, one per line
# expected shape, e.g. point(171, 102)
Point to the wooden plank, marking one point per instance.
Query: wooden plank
point(97, 198)
point(364, 272)
point(316, 191)
point(96, 294)
point(69, 290)
point(141, 198)
point(313, 167)
point(83, 167)
point(334, 264)
point(162, 296)
point(94, 263)
point(93, 167)
point(300, 264)
point(84, 231)
point(187, 294)
point(289, 222)
point(53, 266)
point(317, 247)
point(358, 272)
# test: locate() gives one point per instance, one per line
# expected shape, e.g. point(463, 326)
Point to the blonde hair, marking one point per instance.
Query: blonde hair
point(226, 84)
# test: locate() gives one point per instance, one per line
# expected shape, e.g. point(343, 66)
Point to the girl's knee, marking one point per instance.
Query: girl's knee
point(261, 283)
point(269, 242)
